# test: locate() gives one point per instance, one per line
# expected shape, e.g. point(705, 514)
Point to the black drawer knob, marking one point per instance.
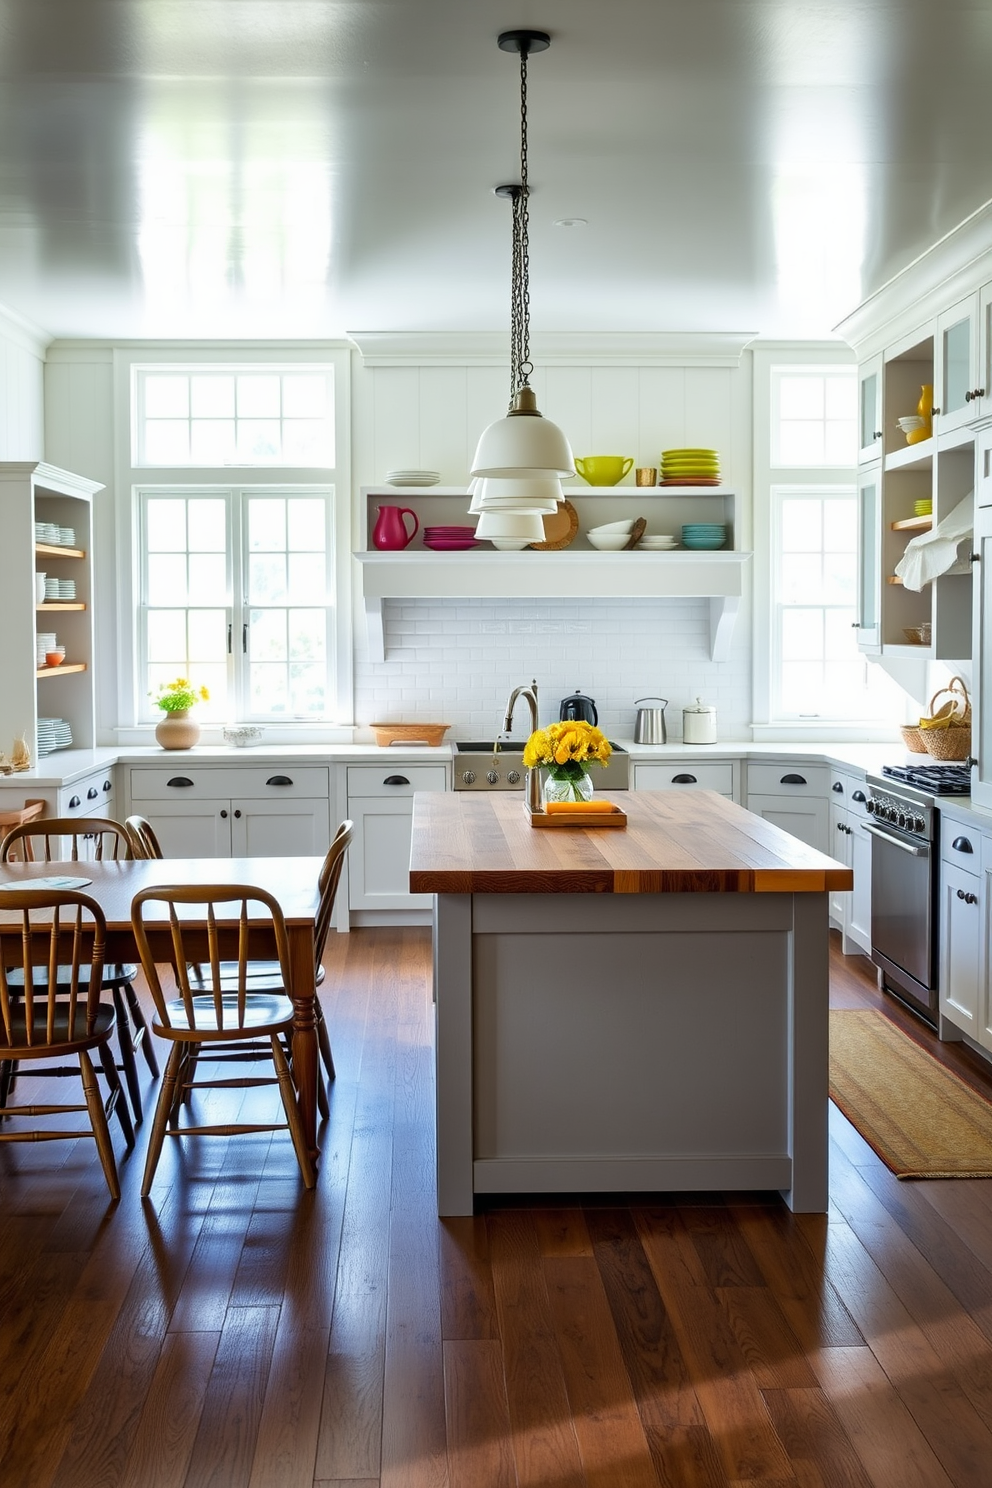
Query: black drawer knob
point(279, 780)
point(961, 844)
point(92, 793)
point(74, 803)
point(224, 815)
point(684, 780)
point(793, 780)
point(179, 780)
point(859, 796)
point(237, 813)
point(837, 787)
point(107, 785)
point(396, 780)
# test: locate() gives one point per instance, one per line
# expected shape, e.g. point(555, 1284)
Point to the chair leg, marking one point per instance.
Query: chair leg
point(163, 1109)
point(143, 1038)
point(323, 1038)
point(98, 1120)
point(118, 1100)
point(8, 1074)
point(287, 1091)
point(126, 1046)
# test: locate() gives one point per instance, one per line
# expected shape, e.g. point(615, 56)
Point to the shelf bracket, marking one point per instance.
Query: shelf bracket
point(374, 628)
point(723, 617)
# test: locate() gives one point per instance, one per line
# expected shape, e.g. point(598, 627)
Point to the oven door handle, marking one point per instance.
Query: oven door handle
point(917, 852)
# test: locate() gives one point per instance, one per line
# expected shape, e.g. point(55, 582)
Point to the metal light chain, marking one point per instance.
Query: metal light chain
point(521, 222)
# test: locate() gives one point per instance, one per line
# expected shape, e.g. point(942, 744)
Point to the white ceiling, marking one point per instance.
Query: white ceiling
point(307, 168)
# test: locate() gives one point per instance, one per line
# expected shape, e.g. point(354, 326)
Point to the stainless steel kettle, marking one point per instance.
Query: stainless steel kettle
point(577, 708)
point(649, 724)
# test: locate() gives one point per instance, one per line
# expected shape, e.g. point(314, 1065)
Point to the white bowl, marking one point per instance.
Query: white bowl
point(509, 544)
point(242, 735)
point(911, 421)
point(614, 527)
point(609, 542)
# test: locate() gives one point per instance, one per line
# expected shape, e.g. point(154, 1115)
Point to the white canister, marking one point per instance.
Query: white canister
point(699, 724)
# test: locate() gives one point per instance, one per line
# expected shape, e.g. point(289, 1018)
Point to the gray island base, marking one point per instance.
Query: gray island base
point(633, 1011)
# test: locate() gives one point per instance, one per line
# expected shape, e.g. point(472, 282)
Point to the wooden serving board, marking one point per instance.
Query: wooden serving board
point(614, 818)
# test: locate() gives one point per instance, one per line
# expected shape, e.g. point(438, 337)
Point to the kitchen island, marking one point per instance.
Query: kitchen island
point(626, 1010)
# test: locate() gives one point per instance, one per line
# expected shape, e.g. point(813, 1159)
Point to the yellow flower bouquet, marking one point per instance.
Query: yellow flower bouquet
point(566, 750)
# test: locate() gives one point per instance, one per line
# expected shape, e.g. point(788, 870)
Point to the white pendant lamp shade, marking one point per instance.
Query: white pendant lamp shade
point(543, 494)
point(523, 445)
point(524, 526)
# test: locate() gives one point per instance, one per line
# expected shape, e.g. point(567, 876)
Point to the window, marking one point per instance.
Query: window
point(217, 416)
point(235, 593)
point(814, 416)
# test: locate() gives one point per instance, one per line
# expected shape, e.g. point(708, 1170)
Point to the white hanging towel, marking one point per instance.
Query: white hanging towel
point(939, 552)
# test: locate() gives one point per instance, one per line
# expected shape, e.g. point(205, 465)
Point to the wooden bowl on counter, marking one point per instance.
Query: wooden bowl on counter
point(409, 733)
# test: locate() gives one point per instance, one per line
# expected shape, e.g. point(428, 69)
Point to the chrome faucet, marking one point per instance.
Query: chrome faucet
point(533, 773)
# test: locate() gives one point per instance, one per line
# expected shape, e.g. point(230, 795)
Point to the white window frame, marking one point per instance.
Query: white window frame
point(765, 725)
point(132, 727)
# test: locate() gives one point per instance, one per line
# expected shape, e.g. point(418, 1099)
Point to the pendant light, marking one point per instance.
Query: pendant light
point(524, 444)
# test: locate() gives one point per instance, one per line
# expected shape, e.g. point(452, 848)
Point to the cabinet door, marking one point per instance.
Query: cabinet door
point(869, 620)
point(379, 857)
point(291, 827)
point(960, 922)
point(807, 818)
point(981, 650)
point(858, 927)
point(840, 848)
point(870, 410)
point(189, 829)
point(956, 384)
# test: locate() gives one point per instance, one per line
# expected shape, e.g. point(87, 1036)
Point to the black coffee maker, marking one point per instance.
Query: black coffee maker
point(577, 708)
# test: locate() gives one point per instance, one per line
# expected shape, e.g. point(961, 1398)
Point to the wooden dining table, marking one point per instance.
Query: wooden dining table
point(293, 883)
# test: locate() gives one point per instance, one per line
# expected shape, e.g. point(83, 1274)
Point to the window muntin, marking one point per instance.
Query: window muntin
point(236, 594)
point(814, 417)
point(220, 416)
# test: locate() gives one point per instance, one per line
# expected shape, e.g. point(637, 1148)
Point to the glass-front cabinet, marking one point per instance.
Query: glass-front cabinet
point(869, 621)
point(958, 388)
point(870, 411)
point(981, 682)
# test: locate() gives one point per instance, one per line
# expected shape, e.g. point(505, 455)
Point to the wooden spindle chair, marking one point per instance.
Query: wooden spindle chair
point(62, 939)
point(209, 1017)
point(97, 839)
point(30, 811)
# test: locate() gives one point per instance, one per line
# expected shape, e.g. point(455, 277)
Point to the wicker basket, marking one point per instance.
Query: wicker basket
point(409, 733)
point(912, 738)
point(951, 740)
point(952, 743)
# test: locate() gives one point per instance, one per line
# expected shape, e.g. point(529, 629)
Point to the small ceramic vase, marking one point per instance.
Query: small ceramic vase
point(177, 730)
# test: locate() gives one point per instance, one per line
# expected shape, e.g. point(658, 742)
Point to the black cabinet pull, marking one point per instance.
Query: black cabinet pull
point(224, 815)
point(793, 780)
point(968, 898)
point(74, 803)
point(859, 796)
point(92, 793)
point(179, 780)
point(837, 787)
point(279, 780)
point(237, 813)
point(107, 785)
point(961, 844)
point(684, 780)
point(396, 780)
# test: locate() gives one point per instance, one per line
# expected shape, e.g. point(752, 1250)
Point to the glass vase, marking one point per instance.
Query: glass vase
point(571, 787)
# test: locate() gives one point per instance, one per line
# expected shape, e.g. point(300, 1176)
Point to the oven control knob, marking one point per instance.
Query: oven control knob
point(871, 806)
point(469, 777)
point(901, 819)
point(919, 825)
point(493, 777)
point(513, 777)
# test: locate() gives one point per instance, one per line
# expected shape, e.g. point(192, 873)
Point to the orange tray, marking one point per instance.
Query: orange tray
point(614, 818)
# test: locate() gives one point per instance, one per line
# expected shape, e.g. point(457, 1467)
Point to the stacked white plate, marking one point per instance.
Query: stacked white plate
point(413, 477)
point(67, 537)
point(53, 733)
point(44, 642)
point(67, 588)
point(47, 532)
point(663, 543)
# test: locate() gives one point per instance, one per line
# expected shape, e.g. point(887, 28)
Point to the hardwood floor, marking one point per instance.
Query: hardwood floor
point(238, 1330)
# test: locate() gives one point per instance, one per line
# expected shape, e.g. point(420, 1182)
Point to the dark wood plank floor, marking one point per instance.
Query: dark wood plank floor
point(239, 1332)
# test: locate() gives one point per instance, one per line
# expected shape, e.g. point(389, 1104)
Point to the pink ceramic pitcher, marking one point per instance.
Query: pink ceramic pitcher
point(390, 529)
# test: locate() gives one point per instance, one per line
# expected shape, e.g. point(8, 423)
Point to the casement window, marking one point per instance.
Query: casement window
point(220, 416)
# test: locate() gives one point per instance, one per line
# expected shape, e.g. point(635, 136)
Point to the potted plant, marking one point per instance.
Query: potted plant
point(177, 729)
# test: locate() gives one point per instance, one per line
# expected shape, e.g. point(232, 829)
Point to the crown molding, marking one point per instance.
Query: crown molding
point(23, 333)
point(561, 349)
point(954, 266)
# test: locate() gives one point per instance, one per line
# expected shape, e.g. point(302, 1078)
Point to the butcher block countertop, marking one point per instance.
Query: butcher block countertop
point(675, 842)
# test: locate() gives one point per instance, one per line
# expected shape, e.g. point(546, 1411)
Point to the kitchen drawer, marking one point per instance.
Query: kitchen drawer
point(716, 775)
point(93, 796)
point(372, 780)
point(961, 844)
point(849, 792)
point(788, 778)
point(254, 782)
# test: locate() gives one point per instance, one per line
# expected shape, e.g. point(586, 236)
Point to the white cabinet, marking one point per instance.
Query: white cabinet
point(958, 391)
point(870, 410)
point(869, 621)
point(224, 811)
point(850, 911)
point(380, 803)
point(981, 690)
point(794, 796)
point(33, 493)
point(689, 774)
point(960, 918)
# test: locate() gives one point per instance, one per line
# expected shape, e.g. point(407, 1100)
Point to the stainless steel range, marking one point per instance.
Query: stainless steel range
point(905, 832)
point(487, 766)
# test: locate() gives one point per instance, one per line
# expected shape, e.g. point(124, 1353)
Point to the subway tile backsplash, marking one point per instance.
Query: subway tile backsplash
point(456, 661)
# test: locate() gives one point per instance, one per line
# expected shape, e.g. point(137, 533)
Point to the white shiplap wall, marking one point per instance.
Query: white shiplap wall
point(22, 369)
point(456, 661)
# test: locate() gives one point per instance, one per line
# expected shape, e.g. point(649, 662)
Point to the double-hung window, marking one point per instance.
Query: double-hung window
point(238, 570)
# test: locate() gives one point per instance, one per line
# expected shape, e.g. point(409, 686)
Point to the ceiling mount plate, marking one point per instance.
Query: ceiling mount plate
point(524, 41)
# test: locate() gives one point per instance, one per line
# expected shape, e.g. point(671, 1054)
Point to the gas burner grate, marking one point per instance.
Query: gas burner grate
point(940, 780)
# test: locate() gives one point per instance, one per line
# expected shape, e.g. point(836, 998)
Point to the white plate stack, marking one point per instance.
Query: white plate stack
point(413, 477)
point(53, 733)
point(67, 588)
point(45, 641)
point(47, 532)
point(67, 537)
point(662, 543)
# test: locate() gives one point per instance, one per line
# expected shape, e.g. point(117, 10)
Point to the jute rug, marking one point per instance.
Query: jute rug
point(919, 1117)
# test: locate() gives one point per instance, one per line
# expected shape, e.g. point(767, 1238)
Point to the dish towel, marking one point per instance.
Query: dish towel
point(937, 552)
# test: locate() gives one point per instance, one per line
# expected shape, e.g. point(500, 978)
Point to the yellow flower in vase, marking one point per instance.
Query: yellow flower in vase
point(566, 750)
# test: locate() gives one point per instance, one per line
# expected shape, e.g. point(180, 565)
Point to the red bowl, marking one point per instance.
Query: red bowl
point(450, 544)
